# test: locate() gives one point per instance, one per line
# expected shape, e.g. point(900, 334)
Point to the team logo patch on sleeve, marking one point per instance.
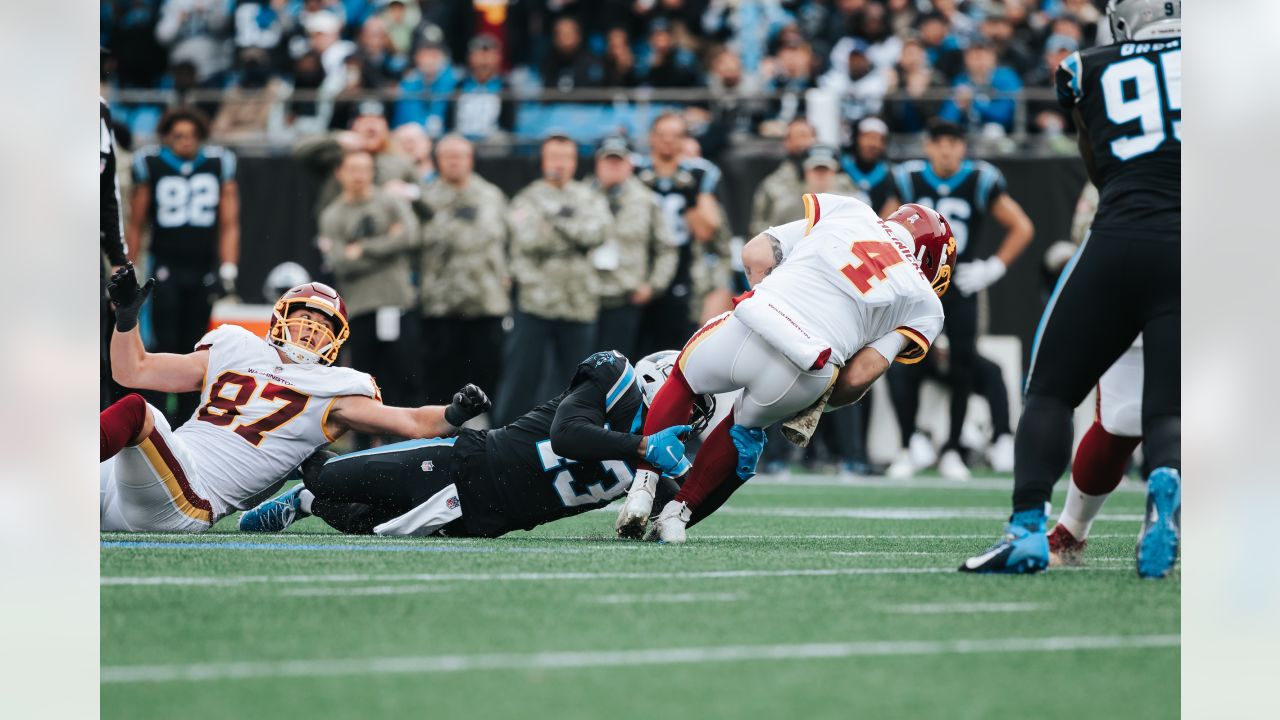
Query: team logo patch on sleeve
point(452, 503)
point(428, 466)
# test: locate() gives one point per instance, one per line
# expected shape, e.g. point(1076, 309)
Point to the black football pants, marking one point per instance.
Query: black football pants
point(1119, 284)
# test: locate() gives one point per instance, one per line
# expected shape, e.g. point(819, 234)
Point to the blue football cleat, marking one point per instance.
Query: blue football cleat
point(1161, 527)
point(275, 514)
point(1024, 548)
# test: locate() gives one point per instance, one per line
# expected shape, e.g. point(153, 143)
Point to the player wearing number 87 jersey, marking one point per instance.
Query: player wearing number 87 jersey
point(266, 404)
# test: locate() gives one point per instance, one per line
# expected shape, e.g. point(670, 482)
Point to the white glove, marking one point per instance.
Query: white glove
point(978, 275)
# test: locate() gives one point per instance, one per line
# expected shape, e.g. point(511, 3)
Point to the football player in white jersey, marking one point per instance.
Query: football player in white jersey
point(266, 404)
point(836, 298)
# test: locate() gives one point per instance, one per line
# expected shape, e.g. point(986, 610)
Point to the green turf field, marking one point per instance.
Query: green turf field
point(809, 599)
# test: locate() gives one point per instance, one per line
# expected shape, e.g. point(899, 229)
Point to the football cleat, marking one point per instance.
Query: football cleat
point(1161, 527)
point(1064, 549)
point(634, 514)
point(902, 467)
point(672, 521)
point(952, 466)
point(275, 514)
point(1001, 454)
point(1023, 549)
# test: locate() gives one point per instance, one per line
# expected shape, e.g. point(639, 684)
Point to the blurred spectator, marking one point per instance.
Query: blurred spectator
point(712, 270)
point(401, 19)
point(902, 16)
point(196, 31)
point(860, 85)
point(872, 27)
point(380, 55)
point(839, 23)
point(1069, 26)
point(186, 191)
point(465, 285)
point(264, 26)
point(249, 103)
point(1086, 14)
point(780, 192)
point(732, 114)
point(1010, 50)
point(914, 76)
point(687, 187)
point(555, 224)
point(942, 47)
point(791, 74)
point(568, 63)
point(619, 62)
point(368, 239)
point(980, 95)
point(139, 58)
point(959, 23)
point(368, 133)
point(864, 163)
point(432, 74)
point(666, 64)
point(638, 259)
point(360, 78)
point(412, 142)
point(327, 80)
point(308, 76)
point(746, 26)
point(1047, 116)
point(480, 111)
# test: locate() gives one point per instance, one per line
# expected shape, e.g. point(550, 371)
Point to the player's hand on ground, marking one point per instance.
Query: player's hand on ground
point(972, 277)
point(750, 445)
point(467, 403)
point(664, 450)
point(127, 296)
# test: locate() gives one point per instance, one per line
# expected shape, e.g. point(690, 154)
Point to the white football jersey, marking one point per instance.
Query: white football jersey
point(848, 280)
point(259, 417)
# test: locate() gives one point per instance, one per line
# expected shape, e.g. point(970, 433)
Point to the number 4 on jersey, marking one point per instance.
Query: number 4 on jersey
point(875, 257)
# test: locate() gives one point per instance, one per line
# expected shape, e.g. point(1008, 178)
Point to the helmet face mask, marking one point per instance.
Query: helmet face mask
point(934, 243)
point(652, 372)
point(303, 338)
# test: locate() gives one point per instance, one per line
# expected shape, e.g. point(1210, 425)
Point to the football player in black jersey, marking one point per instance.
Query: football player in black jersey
point(114, 252)
point(967, 192)
point(1126, 99)
point(573, 453)
point(186, 191)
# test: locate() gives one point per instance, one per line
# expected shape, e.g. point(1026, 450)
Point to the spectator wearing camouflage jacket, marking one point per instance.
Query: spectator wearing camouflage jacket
point(638, 258)
point(555, 224)
point(779, 198)
point(465, 284)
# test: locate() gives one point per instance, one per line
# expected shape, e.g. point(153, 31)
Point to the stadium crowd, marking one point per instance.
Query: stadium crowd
point(440, 270)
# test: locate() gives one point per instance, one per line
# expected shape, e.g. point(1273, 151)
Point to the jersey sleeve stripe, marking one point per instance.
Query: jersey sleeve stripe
point(170, 472)
point(620, 388)
point(324, 420)
point(812, 211)
point(918, 348)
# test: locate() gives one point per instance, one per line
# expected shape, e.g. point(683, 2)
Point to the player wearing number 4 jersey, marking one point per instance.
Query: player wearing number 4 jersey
point(266, 404)
point(1123, 281)
point(850, 294)
point(573, 453)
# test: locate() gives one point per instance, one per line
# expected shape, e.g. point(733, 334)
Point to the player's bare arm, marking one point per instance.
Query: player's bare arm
point(760, 256)
point(704, 217)
point(365, 414)
point(139, 202)
point(1018, 228)
point(131, 365)
point(856, 377)
point(229, 232)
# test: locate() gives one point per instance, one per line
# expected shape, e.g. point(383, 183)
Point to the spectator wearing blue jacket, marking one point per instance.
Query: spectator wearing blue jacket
point(432, 74)
point(980, 93)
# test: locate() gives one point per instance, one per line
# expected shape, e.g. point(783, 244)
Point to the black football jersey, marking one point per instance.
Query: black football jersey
point(876, 182)
point(527, 483)
point(676, 193)
point(110, 231)
point(1130, 100)
point(185, 195)
point(965, 198)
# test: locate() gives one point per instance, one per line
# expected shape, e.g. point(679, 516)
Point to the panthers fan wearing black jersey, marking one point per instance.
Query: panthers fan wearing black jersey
point(186, 191)
point(571, 454)
point(686, 189)
point(967, 192)
point(1124, 280)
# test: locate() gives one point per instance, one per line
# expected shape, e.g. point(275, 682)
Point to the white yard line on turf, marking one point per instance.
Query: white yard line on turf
point(949, 608)
point(421, 664)
point(663, 598)
point(234, 580)
point(365, 590)
point(879, 481)
point(895, 513)
point(839, 536)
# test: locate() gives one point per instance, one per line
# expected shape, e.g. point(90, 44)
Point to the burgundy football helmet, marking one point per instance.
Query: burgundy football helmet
point(304, 340)
point(935, 244)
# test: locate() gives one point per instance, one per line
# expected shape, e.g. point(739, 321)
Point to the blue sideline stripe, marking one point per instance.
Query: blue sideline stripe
point(307, 547)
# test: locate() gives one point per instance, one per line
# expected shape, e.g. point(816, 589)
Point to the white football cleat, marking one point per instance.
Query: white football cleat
point(1001, 454)
point(902, 468)
point(672, 521)
point(923, 454)
point(952, 467)
point(634, 514)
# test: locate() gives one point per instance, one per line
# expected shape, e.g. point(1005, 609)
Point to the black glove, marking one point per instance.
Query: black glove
point(467, 403)
point(128, 297)
point(466, 212)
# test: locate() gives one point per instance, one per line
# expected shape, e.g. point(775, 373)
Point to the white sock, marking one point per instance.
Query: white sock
point(304, 501)
point(1080, 510)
